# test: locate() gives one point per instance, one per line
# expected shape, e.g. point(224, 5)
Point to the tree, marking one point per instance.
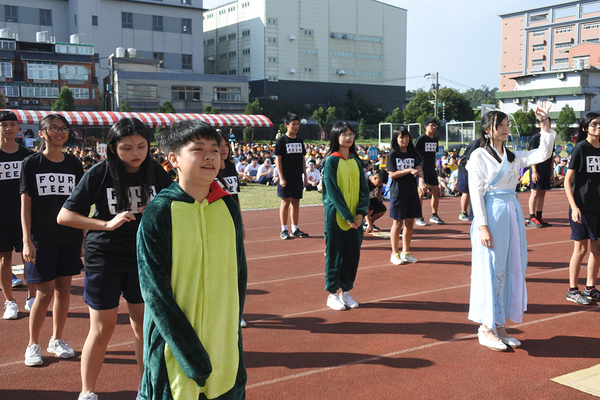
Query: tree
point(208, 109)
point(483, 95)
point(456, 106)
point(125, 107)
point(253, 108)
point(362, 129)
point(101, 97)
point(247, 134)
point(358, 105)
point(64, 101)
point(396, 117)
point(166, 107)
point(2, 100)
point(323, 117)
point(566, 118)
point(525, 121)
point(419, 107)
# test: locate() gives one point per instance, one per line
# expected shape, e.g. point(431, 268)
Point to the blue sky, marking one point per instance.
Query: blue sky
point(460, 39)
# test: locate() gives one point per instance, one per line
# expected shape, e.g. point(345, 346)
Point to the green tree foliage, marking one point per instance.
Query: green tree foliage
point(525, 121)
point(208, 109)
point(418, 108)
point(101, 97)
point(456, 105)
point(358, 105)
point(64, 101)
point(2, 100)
point(323, 116)
point(166, 107)
point(253, 108)
point(247, 134)
point(125, 107)
point(362, 129)
point(483, 95)
point(396, 117)
point(566, 118)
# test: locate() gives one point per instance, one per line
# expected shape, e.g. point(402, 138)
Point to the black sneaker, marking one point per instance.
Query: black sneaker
point(436, 220)
point(376, 229)
point(592, 294)
point(578, 298)
point(284, 235)
point(299, 233)
point(544, 223)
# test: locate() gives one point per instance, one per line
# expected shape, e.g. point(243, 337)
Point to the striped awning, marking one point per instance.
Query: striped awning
point(151, 119)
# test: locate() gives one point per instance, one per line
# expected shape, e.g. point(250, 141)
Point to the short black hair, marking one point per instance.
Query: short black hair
point(289, 117)
point(8, 116)
point(382, 174)
point(173, 139)
point(429, 120)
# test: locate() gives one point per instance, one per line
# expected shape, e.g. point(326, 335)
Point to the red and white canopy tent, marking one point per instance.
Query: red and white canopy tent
point(153, 120)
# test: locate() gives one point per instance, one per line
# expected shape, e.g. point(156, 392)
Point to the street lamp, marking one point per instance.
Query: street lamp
point(435, 110)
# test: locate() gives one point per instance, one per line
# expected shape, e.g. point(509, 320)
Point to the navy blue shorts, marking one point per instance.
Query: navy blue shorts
point(462, 183)
point(11, 237)
point(588, 228)
point(102, 291)
point(402, 208)
point(430, 177)
point(543, 183)
point(293, 189)
point(377, 206)
point(51, 262)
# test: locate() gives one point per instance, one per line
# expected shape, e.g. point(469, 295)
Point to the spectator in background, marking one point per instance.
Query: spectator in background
point(541, 176)
point(427, 146)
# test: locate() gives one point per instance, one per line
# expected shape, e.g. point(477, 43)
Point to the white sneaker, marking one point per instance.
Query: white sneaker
point(348, 300)
point(11, 310)
point(60, 348)
point(334, 302)
point(420, 221)
point(29, 303)
point(243, 323)
point(88, 396)
point(139, 393)
point(396, 259)
point(33, 355)
point(408, 258)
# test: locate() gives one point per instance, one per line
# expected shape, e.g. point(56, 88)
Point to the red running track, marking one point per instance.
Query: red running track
point(410, 337)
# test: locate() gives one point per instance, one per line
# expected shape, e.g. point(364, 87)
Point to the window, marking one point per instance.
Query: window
point(75, 49)
point(246, 51)
point(127, 20)
point(188, 2)
point(8, 45)
point(564, 12)
point(246, 4)
point(142, 92)
point(367, 73)
point(230, 9)
point(341, 54)
point(186, 61)
point(246, 70)
point(539, 33)
point(46, 17)
point(272, 59)
point(341, 36)
point(565, 45)
point(232, 72)
point(232, 54)
point(592, 40)
point(210, 41)
point(227, 93)
point(223, 11)
point(47, 92)
point(310, 51)
point(370, 39)
point(6, 70)
point(272, 40)
point(369, 56)
point(74, 72)
point(95, 20)
point(246, 33)
point(564, 60)
point(75, 19)
point(10, 91)
point(538, 17)
point(186, 25)
point(222, 56)
point(564, 29)
point(593, 25)
point(80, 93)
point(537, 63)
point(160, 57)
point(231, 36)
point(222, 38)
point(538, 47)
point(309, 32)
point(186, 93)
point(273, 79)
point(271, 21)
point(590, 8)
point(157, 23)
point(10, 13)
point(42, 71)
point(308, 69)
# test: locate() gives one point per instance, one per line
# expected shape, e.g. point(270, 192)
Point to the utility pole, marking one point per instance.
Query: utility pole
point(111, 59)
point(435, 109)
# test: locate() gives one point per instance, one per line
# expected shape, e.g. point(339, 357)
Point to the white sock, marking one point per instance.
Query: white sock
point(283, 228)
point(294, 228)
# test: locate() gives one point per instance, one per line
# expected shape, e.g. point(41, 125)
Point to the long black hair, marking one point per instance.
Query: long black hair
point(121, 129)
point(491, 121)
point(584, 125)
point(401, 131)
point(47, 121)
point(334, 138)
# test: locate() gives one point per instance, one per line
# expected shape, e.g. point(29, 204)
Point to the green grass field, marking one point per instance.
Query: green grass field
point(255, 196)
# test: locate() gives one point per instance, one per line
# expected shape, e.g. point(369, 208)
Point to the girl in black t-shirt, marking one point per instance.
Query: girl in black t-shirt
point(582, 187)
point(52, 252)
point(405, 206)
point(120, 187)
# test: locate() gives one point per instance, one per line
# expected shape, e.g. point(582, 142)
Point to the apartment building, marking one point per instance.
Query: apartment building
point(308, 52)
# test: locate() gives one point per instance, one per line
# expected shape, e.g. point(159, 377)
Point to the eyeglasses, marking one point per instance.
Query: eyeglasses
point(594, 125)
point(56, 129)
point(349, 135)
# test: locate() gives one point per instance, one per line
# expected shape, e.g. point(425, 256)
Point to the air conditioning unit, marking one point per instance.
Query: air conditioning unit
point(516, 101)
point(560, 75)
point(341, 72)
point(292, 70)
point(211, 58)
point(14, 103)
point(344, 36)
point(292, 37)
point(332, 35)
point(35, 102)
point(550, 98)
point(25, 102)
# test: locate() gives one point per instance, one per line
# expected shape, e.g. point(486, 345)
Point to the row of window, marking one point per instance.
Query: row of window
point(45, 92)
point(225, 11)
point(351, 72)
point(157, 23)
point(74, 49)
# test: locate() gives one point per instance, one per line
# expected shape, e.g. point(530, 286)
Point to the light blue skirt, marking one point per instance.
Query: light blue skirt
point(498, 274)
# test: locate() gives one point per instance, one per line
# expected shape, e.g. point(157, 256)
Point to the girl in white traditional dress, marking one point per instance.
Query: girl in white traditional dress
point(498, 239)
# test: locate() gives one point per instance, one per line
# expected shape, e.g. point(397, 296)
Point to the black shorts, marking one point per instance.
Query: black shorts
point(430, 177)
point(543, 183)
point(102, 291)
point(462, 183)
point(51, 262)
point(11, 238)
point(402, 208)
point(588, 228)
point(293, 189)
point(377, 206)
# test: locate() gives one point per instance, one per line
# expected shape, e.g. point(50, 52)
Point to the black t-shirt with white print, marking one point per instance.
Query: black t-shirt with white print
point(585, 161)
point(405, 186)
point(373, 190)
point(49, 184)
point(427, 148)
point(292, 153)
point(112, 251)
point(10, 175)
point(230, 179)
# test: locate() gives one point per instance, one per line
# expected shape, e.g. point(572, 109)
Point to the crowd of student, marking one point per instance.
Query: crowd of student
point(45, 215)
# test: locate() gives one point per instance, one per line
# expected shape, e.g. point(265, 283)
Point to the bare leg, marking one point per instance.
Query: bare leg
point(295, 211)
point(6, 275)
point(102, 326)
point(284, 210)
point(592, 264)
point(464, 202)
point(407, 234)
point(579, 250)
point(37, 315)
point(395, 235)
point(435, 198)
point(136, 319)
point(62, 298)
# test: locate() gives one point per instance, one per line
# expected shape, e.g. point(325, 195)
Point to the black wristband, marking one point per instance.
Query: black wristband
point(542, 120)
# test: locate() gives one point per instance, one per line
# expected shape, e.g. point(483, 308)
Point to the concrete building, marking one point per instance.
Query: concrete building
point(551, 53)
point(308, 52)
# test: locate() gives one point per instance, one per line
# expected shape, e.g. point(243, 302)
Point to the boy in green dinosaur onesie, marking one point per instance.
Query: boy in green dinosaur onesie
point(193, 274)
